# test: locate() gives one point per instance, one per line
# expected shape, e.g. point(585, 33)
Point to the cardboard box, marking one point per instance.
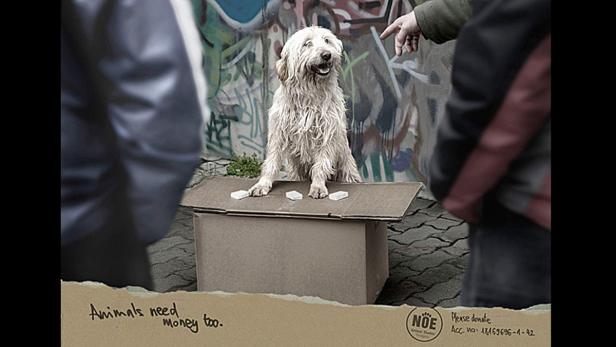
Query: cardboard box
point(336, 250)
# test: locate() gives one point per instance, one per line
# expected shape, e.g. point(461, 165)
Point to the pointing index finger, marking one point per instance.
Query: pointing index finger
point(390, 29)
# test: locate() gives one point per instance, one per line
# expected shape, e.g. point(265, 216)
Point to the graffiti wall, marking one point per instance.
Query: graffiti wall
point(393, 103)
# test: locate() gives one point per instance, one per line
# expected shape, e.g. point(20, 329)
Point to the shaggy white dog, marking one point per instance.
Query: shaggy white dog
point(307, 121)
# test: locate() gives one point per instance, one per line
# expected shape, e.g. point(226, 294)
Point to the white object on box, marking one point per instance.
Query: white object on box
point(239, 194)
point(294, 195)
point(338, 195)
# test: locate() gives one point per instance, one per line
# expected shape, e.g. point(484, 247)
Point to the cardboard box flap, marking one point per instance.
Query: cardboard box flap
point(373, 201)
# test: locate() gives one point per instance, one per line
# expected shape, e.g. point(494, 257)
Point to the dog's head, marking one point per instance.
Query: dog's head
point(312, 51)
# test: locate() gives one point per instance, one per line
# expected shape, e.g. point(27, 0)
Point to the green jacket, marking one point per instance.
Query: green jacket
point(441, 20)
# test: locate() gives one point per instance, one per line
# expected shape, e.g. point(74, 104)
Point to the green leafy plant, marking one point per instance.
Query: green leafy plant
point(244, 166)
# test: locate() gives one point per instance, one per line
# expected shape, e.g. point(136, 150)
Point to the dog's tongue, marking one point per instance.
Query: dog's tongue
point(323, 68)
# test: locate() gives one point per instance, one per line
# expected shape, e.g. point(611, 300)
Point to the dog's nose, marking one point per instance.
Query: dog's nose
point(326, 56)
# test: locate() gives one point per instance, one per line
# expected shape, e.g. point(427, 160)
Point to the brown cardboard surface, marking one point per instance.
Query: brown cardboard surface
point(344, 261)
point(222, 319)
point(366, 201)
point(377, 259)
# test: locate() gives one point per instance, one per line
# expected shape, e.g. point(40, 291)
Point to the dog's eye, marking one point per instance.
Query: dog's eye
point(307, 43)
point(326, 40)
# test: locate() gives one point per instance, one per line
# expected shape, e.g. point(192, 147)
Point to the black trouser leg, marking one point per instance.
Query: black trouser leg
point(510, 263)
point(113, 256)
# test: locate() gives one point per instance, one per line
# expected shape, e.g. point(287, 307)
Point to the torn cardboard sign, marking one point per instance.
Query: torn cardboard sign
point(223, 319)
point(336, 250)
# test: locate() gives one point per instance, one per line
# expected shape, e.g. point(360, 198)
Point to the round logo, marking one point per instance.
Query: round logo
point(424, 324)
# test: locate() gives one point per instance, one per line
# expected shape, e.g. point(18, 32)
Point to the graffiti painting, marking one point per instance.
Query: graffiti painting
point(393, 103)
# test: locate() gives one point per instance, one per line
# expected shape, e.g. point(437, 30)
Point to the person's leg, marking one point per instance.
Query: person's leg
point(113, 255)
point(510, 263)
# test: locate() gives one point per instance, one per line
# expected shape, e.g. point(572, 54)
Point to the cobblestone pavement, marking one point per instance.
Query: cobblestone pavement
point(428, 252)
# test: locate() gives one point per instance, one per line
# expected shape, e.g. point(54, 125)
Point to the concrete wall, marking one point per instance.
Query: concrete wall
point(393, 103)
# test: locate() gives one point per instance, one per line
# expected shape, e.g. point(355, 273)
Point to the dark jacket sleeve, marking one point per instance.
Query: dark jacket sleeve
point(148, 58)
point(441, 20)
point(491, 49)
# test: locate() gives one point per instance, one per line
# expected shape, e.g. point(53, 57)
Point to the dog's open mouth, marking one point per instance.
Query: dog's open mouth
point(322, 69)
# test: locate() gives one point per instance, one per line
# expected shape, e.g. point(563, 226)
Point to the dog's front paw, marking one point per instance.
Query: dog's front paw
point(318, 192)
point(259, 189)
point(352, 179)
point(351, 176)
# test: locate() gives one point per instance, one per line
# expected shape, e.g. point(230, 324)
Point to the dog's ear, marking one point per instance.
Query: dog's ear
point(339, 46)
point(281, 69)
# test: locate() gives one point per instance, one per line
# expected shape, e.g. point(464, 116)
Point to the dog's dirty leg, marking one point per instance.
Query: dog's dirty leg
point(272, 163)
point(319, 173)
point(347, 171)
